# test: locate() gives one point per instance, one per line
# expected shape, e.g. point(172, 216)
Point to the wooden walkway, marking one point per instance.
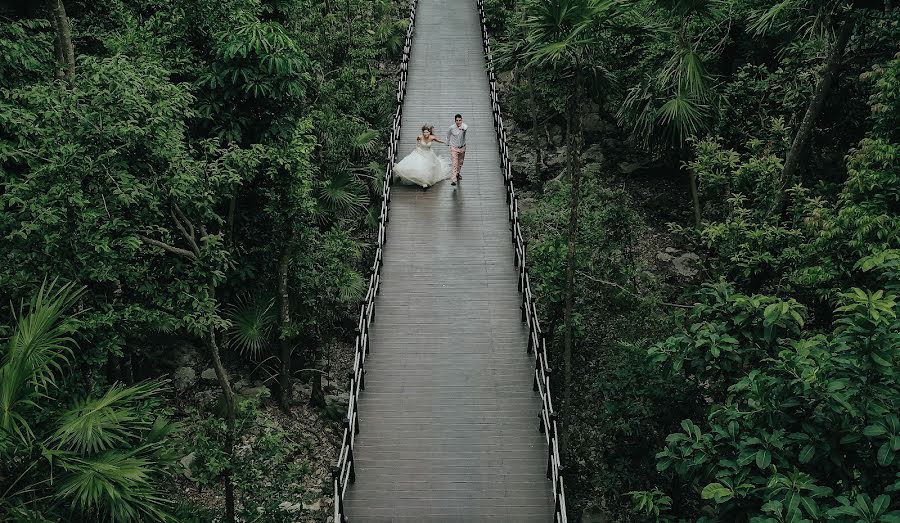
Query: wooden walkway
point(448, 418)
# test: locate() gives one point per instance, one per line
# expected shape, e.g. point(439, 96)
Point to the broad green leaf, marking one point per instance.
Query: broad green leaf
point(807, 454)
point(874, 430)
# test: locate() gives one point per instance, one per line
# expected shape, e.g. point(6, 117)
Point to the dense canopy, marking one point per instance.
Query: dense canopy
point(189, 192)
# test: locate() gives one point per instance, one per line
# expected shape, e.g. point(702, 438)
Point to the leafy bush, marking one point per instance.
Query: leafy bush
point(268, 478)
point(801, 426)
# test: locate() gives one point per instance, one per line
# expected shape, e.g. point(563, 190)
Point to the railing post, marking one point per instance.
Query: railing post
point(553, 435)
point(352, 477)
point(338, 492)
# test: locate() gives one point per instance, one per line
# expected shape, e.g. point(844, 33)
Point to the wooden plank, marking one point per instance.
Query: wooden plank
point(448, 419)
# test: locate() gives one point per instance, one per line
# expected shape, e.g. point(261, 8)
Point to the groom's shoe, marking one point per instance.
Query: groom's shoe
point(452, 182)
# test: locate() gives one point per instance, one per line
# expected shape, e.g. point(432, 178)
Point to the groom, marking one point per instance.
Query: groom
point(456, 139)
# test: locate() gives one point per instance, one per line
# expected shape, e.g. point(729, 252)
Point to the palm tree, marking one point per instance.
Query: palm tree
point(565, 35)
point(511, 55)
point(102, 457)
point(675, 104)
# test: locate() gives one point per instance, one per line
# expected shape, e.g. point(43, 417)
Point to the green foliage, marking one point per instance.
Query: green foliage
point(269, 481)
point(25, 52)
point(199, 145)
point(799, 422)
point(720, 89)
point(258, 71)
point(104, 457)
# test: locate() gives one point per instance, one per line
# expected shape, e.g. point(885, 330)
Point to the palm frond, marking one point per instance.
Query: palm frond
point(343, 194)
point(252, 323)
point(687, 72)
point(116, 484)
point(95, 425)
point(366, 141)
point(352, 287)
point(682, 117)
point(393, 35)
point(772, 17)
point(638, 112)
point(37, 348)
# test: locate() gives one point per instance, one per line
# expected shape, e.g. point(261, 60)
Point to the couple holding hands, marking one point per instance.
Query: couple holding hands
point(423, 167)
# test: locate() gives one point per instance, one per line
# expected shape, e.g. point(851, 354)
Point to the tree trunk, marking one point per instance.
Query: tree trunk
point(284, 302)
point(574, 124)
point(695, 197)
point(535, 130)
point(232, 208)
point(65, 49)
point(317, 395)
point(230, 414)
point(349, 45)
point(807, 125)
point(59, 69)
point(888, 5)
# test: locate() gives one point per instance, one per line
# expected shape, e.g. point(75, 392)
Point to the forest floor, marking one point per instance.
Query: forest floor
point(287, 455)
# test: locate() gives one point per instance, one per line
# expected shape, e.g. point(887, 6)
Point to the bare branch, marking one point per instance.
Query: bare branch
point(616, 285)
point(185, 226)
point(184, 218)
point(169, 248)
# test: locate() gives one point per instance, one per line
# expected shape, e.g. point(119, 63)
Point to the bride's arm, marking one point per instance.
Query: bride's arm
point(438, 140)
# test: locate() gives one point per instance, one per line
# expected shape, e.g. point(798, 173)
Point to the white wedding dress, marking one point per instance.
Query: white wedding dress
point(423, 166)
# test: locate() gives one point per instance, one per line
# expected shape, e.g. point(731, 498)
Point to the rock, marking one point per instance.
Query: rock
point(208, 374)
point(187, 462)
point(671, 250)
point(557, 158)
point(302, 390)
point(628, 168)
point(556, 134)
point(664, 257)
point(240, 384)
point(330, 519)
point(313, 507)
point(184, 378)
point(186, 355)
point(686, 263)
point(261, 392)
point(287, 506)
point(592, 123)
point(593, 154)
point(205, 398)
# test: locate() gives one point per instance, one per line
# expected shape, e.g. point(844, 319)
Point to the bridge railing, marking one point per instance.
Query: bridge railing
point(343, 473)
point(537, 343)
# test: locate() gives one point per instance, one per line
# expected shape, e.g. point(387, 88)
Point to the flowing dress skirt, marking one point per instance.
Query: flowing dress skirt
point(422, 167)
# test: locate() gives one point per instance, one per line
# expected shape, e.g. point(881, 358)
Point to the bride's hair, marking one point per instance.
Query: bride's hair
point(429, 128)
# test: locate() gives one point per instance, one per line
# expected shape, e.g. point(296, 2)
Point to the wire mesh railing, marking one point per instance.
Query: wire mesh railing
point(537, 343)
point(343, 473)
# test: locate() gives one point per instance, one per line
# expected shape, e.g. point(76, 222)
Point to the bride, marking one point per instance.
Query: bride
point(422, 166)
